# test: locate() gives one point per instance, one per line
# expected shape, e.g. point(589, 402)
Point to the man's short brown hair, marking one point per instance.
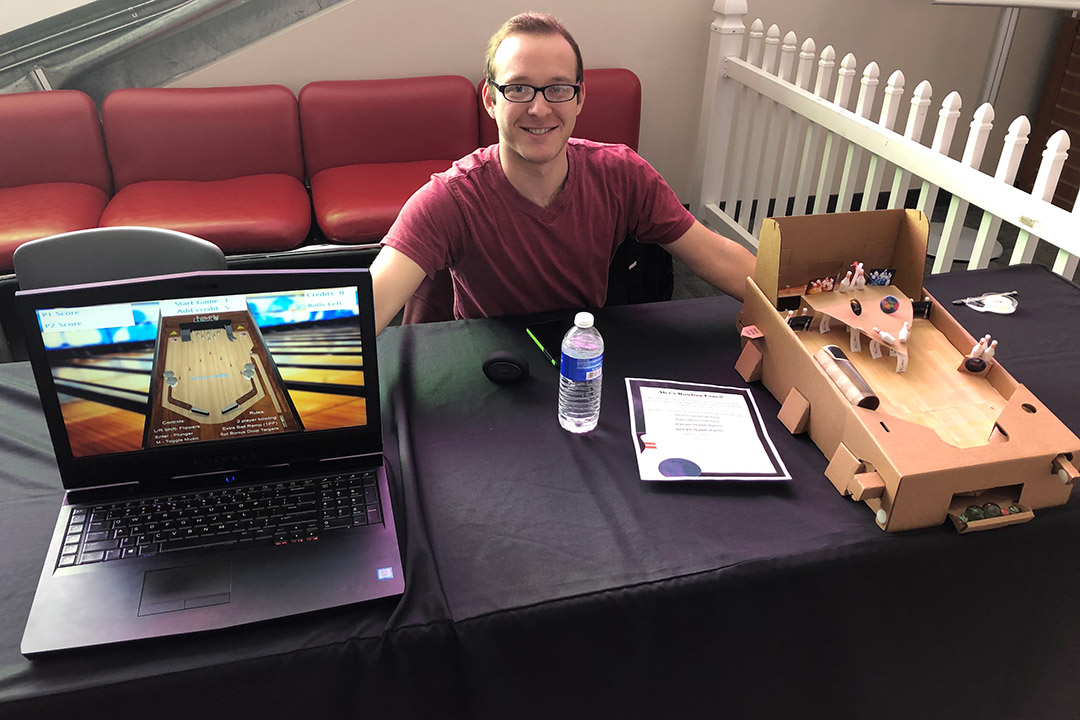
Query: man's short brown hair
point(529, 24)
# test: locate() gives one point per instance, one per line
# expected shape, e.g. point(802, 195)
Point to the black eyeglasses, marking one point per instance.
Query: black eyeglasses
point(519, 93)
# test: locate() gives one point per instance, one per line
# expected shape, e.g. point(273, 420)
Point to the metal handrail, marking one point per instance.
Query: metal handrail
point(76, 29)
point(88, 38)
point(85, 38)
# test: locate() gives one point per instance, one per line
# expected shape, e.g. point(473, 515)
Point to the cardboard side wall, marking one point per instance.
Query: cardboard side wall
point(792, 251)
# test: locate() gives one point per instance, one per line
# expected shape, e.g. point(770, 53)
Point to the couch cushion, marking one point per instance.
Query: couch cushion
point(246, 214)
point(202, 133)
point(349, 122)
point(30, 212)
point(359, 203)
point(51, 137)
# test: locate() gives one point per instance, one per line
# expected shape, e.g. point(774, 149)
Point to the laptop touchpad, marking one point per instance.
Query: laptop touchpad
point(185, 588)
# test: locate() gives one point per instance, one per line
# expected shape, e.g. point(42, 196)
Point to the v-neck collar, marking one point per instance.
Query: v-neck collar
point(551, 212)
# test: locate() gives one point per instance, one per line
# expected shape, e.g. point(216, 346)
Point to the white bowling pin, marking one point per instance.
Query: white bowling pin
point(887, 337)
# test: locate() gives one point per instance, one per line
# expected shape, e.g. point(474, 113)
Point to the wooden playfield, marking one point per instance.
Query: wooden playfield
point(214, 379)
point(960, 407)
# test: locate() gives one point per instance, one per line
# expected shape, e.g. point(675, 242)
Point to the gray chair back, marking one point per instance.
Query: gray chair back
point(112, 253)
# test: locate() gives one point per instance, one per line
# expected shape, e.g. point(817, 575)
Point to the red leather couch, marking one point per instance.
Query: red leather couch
point(54, 177)
point(224, 164)
point(229, 164)
point(370, 144)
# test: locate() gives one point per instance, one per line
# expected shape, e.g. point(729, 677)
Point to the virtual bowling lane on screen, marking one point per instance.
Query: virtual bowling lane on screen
point(214, 380)
point(108, 391)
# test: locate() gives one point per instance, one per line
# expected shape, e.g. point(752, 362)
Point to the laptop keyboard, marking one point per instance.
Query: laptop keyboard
point(282, 513)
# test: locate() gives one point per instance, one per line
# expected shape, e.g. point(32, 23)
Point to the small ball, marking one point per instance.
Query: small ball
point(889, 304)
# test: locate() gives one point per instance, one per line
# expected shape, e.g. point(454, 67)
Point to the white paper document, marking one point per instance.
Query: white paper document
point(688, 431)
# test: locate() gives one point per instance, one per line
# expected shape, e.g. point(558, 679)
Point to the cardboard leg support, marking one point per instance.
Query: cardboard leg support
point(749, 363)
point(843, 467)
point(795, 412)
point(866, 485)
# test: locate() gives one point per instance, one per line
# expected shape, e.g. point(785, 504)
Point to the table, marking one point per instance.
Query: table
point(545, 580)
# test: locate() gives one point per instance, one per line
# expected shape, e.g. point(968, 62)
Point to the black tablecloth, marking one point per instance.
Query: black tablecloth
point(544, 579)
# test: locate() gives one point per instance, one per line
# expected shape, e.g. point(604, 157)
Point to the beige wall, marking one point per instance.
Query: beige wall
point(663, 41)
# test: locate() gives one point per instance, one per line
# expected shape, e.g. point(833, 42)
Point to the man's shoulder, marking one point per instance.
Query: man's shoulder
point(613, 152)
point(464, 184)
point(609, 162)
point(478, 161)
point(606, 158)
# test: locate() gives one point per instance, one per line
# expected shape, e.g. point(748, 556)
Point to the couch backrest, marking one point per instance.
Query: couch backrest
point(202, 133)
point(349, 122)
point(51, 136)
point(612, 111)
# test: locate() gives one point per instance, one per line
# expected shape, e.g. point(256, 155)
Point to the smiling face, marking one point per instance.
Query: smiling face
point(533, 135)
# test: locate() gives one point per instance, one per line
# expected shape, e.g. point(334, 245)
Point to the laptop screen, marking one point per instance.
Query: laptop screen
point(192, 364)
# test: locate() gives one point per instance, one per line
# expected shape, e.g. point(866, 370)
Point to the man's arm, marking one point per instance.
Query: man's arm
point(394, 278)
point(717, 260)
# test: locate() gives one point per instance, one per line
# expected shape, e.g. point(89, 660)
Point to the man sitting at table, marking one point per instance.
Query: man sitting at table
point(532, 223)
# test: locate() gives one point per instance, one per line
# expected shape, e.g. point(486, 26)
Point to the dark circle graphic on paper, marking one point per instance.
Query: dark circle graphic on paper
point(679, 467)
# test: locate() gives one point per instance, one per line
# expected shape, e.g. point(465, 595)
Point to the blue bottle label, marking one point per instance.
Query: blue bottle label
point(581, 369)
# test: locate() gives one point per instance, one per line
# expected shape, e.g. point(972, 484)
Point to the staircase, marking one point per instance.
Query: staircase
point(110, 44)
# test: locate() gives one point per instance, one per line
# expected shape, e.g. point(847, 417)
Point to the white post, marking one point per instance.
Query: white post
point(1016, 139)
point(787, 56)
point(743, 125)
point(757, 152)
point(778, 134)
point(943, 135)
point(1046, 180)
point(810, 145)
point(796, 128)
point(1064, 263)
point(920, 105)
point(844, 83)
point(853, 161)
point(890, 106)
point(981, 124)
point(718, 99)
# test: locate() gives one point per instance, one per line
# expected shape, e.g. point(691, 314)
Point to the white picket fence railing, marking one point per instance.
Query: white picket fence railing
point(778, 139)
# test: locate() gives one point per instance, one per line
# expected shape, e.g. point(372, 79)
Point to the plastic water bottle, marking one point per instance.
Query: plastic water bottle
point(581, 375)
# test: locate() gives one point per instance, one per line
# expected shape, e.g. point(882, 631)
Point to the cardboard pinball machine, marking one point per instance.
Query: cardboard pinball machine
point(916, 417)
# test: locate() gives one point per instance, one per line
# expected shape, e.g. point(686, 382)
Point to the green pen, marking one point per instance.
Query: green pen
point(542, 348)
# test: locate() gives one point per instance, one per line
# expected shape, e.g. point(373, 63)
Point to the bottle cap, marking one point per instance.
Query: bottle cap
point(583, 320)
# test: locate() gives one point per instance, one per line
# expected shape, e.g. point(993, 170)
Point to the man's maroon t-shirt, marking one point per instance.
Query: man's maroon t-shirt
point(509, 256)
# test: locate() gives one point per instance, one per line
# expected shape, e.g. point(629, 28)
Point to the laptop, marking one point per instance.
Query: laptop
point(218, 437)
